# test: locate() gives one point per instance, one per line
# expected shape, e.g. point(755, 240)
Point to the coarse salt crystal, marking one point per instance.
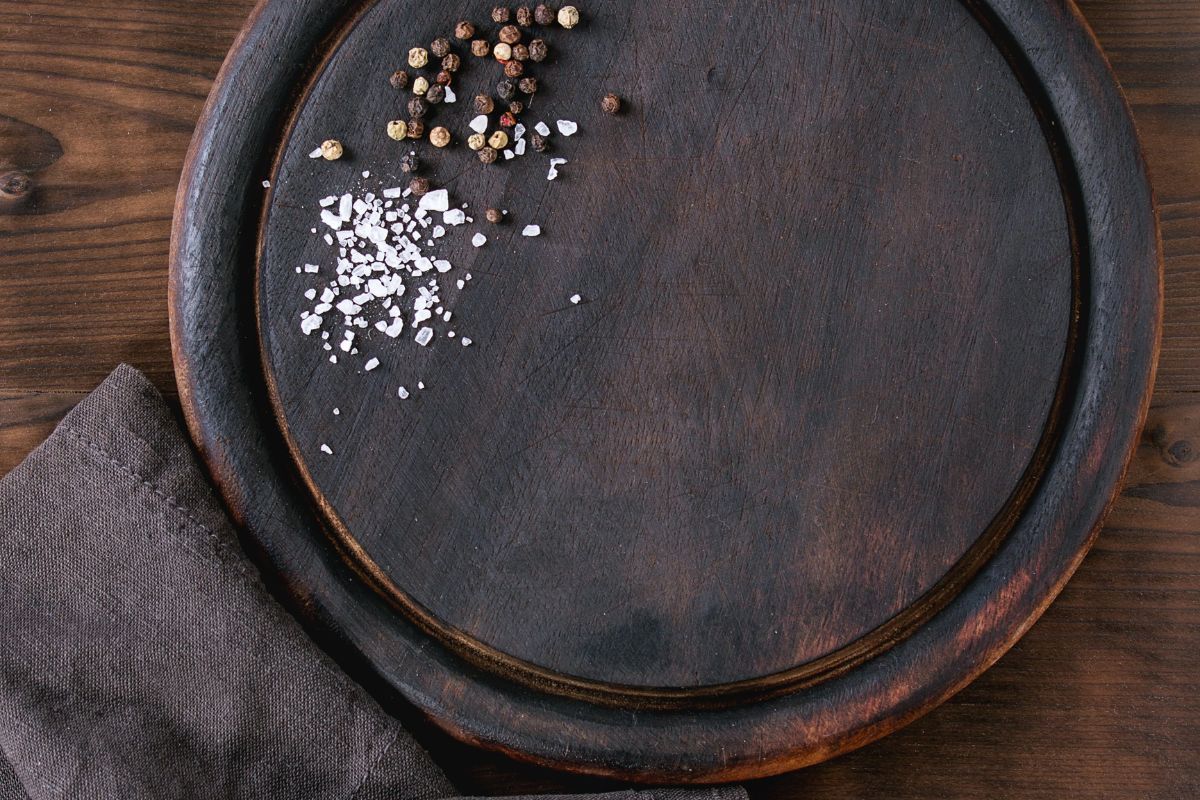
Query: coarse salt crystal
point(441, 265)
point(420, 385)
point(266, 184)
point(566, 127)
point(331, 219)
point(403, 393)
point(394, 192)
point(326, 202)
point(532, 230)
point(554, 164)
point(450, 96)
point(479, 124)
point(479, 240)
point(372, 364)
point(435, 201)
point(315, 153)
point(520, 147)
point(424, 336)
point(542, 128)
point(325, 449)
point(466, 342)
point(311, 268)
point(337, 412)
point(346, 206)
point(455, 216)
point(509, 155)
point(575, 299)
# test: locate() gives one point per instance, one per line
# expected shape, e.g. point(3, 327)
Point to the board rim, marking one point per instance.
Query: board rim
point(195, 244)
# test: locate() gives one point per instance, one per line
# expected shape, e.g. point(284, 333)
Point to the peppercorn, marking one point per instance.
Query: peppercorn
point(528, 85)
point(539, 142)
point(516, 107)
point(480, 48)
point(440, 47)
point(538, 50)
point(397, 129)
point(464, 30)
point(417, 108)
point(419, 186)
point(439, 137)
point(514, 69)
point(418, 57)
point(451, 63)
point(494, 216)
point(498, 140)
point(444, 78)
point(420, 85)
point(520, 52)
point(502, 51)
point(332, 150)
point(525, 16)
point(611, 104)
point(510, 34)
point(399, 79)
point(568, 17)
point(488, 155)
point(484, 104)
point(436, 94)
point(416, 129)
point(508, 120)
point(507, 90)
point(410, 163)
point(476, 141)
point(544, 14)
point(15, 187)
point(501, 15)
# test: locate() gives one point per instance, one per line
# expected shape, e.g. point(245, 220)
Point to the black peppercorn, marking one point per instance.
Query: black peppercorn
point(444, 78)
point(464, 30)
point(410, 163)
point(417, 107)
point(539, 142)
point(528, 85)
point(399, 79)
point(611, 104)
point(516, 107)
point(507, 90)
point(524, 16)
point(520, 52)
point(15, 187)
point(440, 47)
point(494, 216)
point(416, 128)
point(501, 15)
point(419, 186)
point(545, 14)
point(514, 69)
point(484, 104)
point(436, 94)
point(451, 63)
point(480, 48)
point(510, 34)
point(488, 155)
point(538, 50)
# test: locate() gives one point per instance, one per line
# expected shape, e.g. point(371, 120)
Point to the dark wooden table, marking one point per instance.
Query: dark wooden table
point(98, 99)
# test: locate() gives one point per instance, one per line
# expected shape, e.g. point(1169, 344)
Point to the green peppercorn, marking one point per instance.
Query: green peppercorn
point(477, 141)
point(498, 140)
point(332, 150)
point(568, 17)
point(420, 85)
point(538, 50)
point(488, 155)
point(418, 57)
point(397, 129)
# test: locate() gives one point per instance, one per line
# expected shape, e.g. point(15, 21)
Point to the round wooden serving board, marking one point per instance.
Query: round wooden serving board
point(871, 311)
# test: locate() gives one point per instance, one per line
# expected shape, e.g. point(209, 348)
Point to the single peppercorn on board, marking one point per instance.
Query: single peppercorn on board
point(716, 430)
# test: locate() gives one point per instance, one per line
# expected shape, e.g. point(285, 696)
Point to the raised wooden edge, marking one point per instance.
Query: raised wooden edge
point(221, 385)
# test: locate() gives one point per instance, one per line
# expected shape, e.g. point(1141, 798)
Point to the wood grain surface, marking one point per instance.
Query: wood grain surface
point(1099, 700)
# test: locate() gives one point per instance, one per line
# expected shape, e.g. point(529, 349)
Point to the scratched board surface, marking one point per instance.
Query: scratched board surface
point(830, 278)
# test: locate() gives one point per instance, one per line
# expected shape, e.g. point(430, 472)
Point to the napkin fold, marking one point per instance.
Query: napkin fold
point(142, 657)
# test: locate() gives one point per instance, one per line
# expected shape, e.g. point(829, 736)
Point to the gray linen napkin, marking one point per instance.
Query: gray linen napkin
point(141, 656)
